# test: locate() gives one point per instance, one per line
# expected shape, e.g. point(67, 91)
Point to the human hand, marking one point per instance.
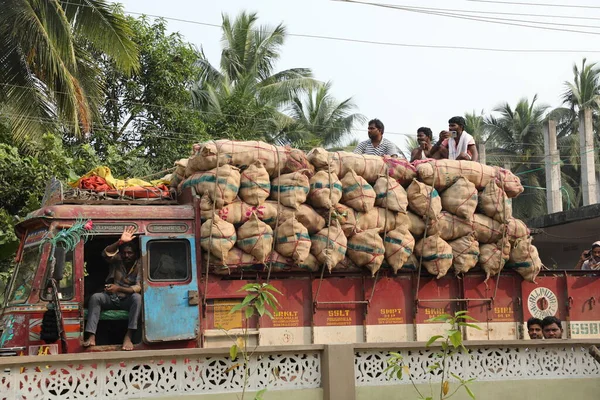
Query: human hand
point(111, 288)
point(444, 135)
point(464, 156)
point(127, 235)
point(585, 256)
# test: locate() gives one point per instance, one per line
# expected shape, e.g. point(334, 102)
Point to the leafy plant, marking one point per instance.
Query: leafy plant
point(451, 343)
point(259, 299)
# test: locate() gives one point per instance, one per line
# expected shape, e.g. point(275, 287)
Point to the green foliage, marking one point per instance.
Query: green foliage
point(47, 79)
point(450, 343)
point(149, 114)
point(320, 120)
point(243, 98)
point(260, 300)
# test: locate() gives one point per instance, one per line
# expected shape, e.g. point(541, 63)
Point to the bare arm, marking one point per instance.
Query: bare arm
point(475, 154)
point(415, 154)
point(126, 236)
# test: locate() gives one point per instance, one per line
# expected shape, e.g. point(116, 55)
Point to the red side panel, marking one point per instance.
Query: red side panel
point(392, 301)
point(344, 292)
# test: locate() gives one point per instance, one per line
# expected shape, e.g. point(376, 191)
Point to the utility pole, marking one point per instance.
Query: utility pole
point(553, 184)
point(586, 153)
point(481, 150)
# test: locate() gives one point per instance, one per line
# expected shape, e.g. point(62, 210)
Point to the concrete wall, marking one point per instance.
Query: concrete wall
point(304, 394)
point(542, 389)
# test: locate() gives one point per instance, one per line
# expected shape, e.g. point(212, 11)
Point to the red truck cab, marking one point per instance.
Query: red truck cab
point(165, 232)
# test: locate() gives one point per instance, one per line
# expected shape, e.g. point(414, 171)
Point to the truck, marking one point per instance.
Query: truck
point(192, 307)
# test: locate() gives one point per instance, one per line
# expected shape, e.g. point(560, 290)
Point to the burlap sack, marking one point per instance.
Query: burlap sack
point(412, 264)
point(290, 189)
point(308, 217)
point(465, 253)
point(292, 240)
point(235, 260)
point(217, 237)
point(256, 238)
point(423, 200)
point(493, 256)
point(345, 216)
point(494, 203)
point(235, 213)
point(323, 193)
point(270, 213)
point(329, 246)
point(357, 193)
point(378, 218)
point(228, 179)
point(366, 250)
point(399, 245)
point(416, 224)
point(516, 229)
point(255, 184)
point(400, 169)
point(435, 254)
point(460, 199)
point(509, 182)
point(366, 166)
point(347, 265)
point(180, 166)
point(446, 172)
point(279, 263)
point(524, 259)
point(486, 229)
point(276, 160)
point(450, 227)
point(179, 174)
point(390, 194)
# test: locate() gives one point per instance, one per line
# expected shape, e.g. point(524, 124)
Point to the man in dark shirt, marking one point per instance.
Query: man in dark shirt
point(122, 291)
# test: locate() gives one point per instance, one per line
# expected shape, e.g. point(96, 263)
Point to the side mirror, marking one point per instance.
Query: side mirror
point(60, 256)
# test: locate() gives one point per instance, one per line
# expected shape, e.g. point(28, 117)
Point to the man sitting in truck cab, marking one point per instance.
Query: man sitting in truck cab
point(122, 290)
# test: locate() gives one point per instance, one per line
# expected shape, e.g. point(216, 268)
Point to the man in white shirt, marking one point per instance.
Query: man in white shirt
point(377, 145)
point(456, 143)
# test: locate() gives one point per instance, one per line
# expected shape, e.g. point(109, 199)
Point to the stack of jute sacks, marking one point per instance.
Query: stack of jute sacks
point(265, 206)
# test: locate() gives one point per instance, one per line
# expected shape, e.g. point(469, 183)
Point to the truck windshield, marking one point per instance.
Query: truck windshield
point(21, 287)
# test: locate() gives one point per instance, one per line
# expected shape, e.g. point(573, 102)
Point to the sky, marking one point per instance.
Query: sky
point(412, 86)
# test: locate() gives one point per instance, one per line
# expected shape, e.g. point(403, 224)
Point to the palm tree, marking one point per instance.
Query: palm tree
point(243, 98)
point(320, 119)
point(516, 141)
point(580, 95)
point(584, 91)
point(46, 71)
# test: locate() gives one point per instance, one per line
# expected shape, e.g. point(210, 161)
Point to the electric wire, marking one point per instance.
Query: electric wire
point(373, 42)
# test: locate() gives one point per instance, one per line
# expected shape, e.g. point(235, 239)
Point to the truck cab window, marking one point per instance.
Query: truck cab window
point(24, 275)
point(65, 286)
point(169, 260)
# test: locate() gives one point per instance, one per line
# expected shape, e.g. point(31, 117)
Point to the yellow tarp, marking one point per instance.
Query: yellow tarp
point(104, 172)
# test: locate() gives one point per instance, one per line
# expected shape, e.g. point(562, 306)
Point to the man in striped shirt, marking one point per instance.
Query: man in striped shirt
point(377, 145)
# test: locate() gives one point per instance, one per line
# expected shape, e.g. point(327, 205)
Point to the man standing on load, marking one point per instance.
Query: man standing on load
point(456, 143)
point(122, 291)
point(377, 145)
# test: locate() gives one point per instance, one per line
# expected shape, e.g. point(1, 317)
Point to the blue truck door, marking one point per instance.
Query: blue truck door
point(170, 289)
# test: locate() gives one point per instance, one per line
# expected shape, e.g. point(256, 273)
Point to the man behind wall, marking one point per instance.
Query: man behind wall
point(534, 328)
point(377, 145)
point(552, 328)
point(455, 143)
point(122, 291)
